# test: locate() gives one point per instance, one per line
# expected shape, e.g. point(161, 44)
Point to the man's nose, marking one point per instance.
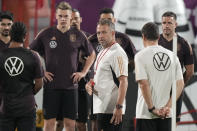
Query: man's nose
point(74, 21)
point(63, 18)
point(7, 27)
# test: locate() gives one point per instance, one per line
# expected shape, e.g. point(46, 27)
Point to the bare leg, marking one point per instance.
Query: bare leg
point(49, 125)
point(69, 124)
point(59, 125)
point(94, 125)
point(81, 126)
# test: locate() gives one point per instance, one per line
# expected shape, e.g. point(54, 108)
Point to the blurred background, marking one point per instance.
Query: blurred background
point(131, 15)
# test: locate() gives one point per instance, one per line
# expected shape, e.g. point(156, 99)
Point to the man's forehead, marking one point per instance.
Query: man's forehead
point(102, 27)
point(5, 20)
point(76, 14)
point(60, 11)
point(106, 15)
point(168, 18)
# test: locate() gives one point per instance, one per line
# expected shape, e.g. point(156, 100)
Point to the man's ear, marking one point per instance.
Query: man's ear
point(176, 24)
point(143, 38)
point(114, 20)
point(81, 19)
point(56, 15)
point(113, 33)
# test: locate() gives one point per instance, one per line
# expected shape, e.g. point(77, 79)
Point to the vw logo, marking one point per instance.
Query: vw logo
point(161, 61)
point(99, 48)
point(14, 66)
point(53, 44)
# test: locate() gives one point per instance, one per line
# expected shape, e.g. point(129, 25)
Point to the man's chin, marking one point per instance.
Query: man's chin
point(74, 25)
point(63, 25)
point(167, 32)
point(103, 44)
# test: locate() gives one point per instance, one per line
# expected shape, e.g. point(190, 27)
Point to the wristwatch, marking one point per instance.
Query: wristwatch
point(118, 106)
point(151, 109)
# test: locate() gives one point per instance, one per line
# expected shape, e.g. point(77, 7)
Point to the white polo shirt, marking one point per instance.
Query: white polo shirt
point(116, 58)
point(155, 64)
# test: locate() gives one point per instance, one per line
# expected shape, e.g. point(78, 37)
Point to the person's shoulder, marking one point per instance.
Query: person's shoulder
point(143, 53)
point(123, 36)
point(164, 49)
point(35, 54)
point(140, 53)
point(23, 50)
point(161, 37)
point(118, 50)
point(120, 34)
point(1, 52)
point(93, 38)
point(182, 40)
point(45, 31)
point(86, 33)
point(186, 45)
point(77, 32)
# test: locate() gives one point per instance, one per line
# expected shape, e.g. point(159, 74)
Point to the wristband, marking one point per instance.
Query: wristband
point(92, 83)
point(118, 106)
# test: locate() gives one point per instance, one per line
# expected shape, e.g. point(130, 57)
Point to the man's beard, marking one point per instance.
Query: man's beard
point(74, 25)
point(5, 33)
point(103, 44)
point(167, 32)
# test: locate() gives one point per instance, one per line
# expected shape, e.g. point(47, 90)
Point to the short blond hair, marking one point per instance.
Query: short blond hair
point(64, 6)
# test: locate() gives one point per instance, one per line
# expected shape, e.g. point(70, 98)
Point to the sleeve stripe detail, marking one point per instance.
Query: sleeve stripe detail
point(120, 64)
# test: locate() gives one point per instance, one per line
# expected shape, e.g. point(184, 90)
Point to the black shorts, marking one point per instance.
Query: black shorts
point(178, 106)
point(60, 103)
point(153, 124)
point(103, 121)
point(83, 106)
point(26, 122)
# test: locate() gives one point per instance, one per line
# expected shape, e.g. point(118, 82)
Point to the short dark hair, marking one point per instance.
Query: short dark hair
point(64, 6)
point(169, 14)
point(106, 11)
point(6, 15)
point(18, 32)
point(107, 22)
point(150, 31)
point(75, 10)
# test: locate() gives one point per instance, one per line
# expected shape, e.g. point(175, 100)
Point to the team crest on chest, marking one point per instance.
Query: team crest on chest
point(99, 48)
point(73, 37)
point(53, 43)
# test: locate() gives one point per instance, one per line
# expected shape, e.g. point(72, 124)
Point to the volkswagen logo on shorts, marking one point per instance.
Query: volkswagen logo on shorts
point(53, 44)
point(14, 66)
point(161, 61)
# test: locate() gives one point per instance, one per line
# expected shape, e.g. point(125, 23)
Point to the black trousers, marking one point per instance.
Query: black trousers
point(153, 124)
point(105, 125)
point(25, 122)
